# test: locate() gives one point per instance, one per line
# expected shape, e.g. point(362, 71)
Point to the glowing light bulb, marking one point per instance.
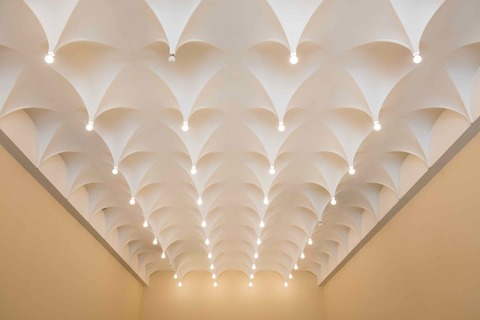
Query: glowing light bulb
point(254, 266)
point(214, 276)
point(171, 58)
point(194, 169)
point(417, 58)
point(281, 126)
point(215, 284)
point(250, 284)
point(155, 241)
point(204, 224)
point(132, 201)
point(255, 255)
point(333, 201)
point(50, 57)
point(293, 58)
point(285, 284)
point(163, 256)
point(377, 126)
point(252, 276)
point(262, 224)
point(180, 284)
point(89, 126)
point(185, 126)
point(295, 266)
point(199, 201)
point(351, 170)
point(212, 267)
point(302, 255)
point(175, 276)
point(290, 276)
point(115, 170)
point(145, 224)
point(259, 242)
point(271, 170)
point(265, 200)
point(210, 255)
point(207, 241)
point(310, 241)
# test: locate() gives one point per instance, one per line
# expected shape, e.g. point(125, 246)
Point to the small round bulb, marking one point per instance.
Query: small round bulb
point(250, 284)
point(271, 170)
point(193, 170)
point(210, 256)
point(254, 266)
point(155, 241)
point(214, 276)
point(295, 266)
point(212, 267)
point(310, 241)
point(145, 224)
point(333, 201)
point(199, 201)
point(50, 57)
point(351, 170)
point(115, 170)
point(262, 224)
point(293, 58)
point(377, 126)
point(255, 255)
point(215, 284)
point(302, 255)
point(281, 126)
point(185, 126)
point(259, 242)
point(163, 256)
point(252, 276)
point(175, 276)
point(207, 241)
point(204, 224)
point(285, 284)
point(89, 126)
point(132, 201)
point(265, 200)
point(290, 276)
point(417, 58)
point(180, 284)
point(171, 58)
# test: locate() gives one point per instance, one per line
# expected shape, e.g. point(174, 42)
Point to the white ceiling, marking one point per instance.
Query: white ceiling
point(233, 83)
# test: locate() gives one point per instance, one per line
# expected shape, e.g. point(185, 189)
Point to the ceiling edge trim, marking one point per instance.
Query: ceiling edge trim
point(21, 158)
point(451, 152)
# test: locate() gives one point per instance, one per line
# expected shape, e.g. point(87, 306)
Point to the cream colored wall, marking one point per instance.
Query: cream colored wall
point(50, 266)
point(233, 299)
point(425, 262)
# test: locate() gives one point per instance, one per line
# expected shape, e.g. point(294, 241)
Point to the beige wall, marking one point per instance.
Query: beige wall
point(424, 263)
point(50, 266)
point(233, 299)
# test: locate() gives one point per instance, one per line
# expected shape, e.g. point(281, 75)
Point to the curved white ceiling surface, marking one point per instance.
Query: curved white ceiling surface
point(232, 84)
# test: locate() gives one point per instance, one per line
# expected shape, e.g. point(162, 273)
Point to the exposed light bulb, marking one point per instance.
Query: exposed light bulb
point(180, 284)
point(132, 201)
point(214, 276)
point(290, 276)
point(302, 255)
point(207, 241)
point(145, 224)
point(115, 170)
point(376, 125)
point(194, 168)
point(215, 284)
point(351, 170)
point(199, 201)
point(163, 256)
point(310, 241)
point(212, 267)
point(262, 224)
point(285, 284)
point(271, 170)
point(333, 201)
point(281, 126)
point(250, 284)
point(255, 255)
point(252, 276)
point(259, 242)
point(204, 224)
point(175, 276)
point(89, 126)
point(155, 241)
point(417, 58)
point(185, 126)
point(265, 200)
point(293, 58)
point(50, 57)
point(295, 266)
point(171, 58)
point(254, 266)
